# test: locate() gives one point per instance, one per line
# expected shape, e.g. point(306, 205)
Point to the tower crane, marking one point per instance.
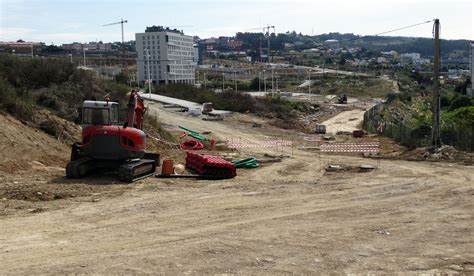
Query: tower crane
point(123, 45)
point(267, 29)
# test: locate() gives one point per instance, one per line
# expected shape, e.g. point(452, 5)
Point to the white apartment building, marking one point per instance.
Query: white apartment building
point(165, 56)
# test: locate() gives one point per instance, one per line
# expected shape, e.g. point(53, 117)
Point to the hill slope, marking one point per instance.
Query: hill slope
point(24, 147)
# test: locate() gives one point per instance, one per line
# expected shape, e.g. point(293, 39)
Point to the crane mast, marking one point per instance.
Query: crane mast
point(121, 22)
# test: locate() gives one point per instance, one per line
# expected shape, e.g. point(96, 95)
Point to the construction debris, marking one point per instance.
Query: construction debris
point(328, 138)
point(358, 133)
point(213, 118)
point(348, 168)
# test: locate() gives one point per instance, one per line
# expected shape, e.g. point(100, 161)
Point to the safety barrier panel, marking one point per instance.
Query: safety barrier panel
point(363, 147)
point(240, 144)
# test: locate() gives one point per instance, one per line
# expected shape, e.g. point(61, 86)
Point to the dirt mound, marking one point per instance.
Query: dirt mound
point(444, 153)
point(64, 130)
point(24, 147)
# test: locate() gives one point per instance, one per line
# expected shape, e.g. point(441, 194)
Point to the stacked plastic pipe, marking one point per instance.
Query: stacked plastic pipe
point(248, 163)
point(210, 165)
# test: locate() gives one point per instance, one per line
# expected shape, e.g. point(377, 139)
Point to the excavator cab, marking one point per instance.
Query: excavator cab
point(100, 113)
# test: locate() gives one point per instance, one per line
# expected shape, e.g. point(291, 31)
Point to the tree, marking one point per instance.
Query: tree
point(254, 84)
point(342, 60)
point(462, 88)
point(460, 101)
point(122, 78)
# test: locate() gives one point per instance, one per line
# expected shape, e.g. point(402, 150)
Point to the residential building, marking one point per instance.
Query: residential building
point(165, 56)
point(196, 57)
point(91, 46)
point(413, 58)
point(20, 48)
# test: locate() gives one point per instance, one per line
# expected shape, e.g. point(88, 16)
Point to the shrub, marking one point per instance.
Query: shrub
point(463, 116)
point(460, 101)
point(445, 101)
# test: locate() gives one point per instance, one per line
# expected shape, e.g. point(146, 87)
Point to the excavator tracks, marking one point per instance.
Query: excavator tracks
point(78, 168)
point(136, 169)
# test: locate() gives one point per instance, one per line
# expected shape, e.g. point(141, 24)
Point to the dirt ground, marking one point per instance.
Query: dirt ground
point(284, 217)
point(345, 121)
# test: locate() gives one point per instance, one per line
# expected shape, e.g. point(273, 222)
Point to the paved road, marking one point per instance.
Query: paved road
point(183, 103)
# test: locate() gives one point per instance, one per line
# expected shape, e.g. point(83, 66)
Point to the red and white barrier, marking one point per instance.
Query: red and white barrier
point(367, 147)
point(239, 144)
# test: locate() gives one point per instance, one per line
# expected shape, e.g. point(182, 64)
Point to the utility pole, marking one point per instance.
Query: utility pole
point(435, 132)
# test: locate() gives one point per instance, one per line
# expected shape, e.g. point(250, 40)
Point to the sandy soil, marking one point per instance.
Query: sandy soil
point(286, 217)
point(345, 121)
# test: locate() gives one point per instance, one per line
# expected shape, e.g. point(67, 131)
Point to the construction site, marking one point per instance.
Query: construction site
point(284, 164)
point(305, 203)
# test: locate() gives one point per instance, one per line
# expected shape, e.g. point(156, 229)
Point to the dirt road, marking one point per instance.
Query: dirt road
point(345, 121)
point(287, 217)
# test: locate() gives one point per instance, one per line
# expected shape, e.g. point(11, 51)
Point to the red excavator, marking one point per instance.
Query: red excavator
point(107, 145)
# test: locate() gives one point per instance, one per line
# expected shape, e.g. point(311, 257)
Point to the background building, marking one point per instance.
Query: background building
point(91, 46)
point(171, 56)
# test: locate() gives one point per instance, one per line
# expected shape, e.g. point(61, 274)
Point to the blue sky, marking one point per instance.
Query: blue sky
point(66, 21)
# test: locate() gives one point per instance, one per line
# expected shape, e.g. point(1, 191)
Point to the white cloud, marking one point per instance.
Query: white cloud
point(72, 25)
point(13, 34)
point(68, 37)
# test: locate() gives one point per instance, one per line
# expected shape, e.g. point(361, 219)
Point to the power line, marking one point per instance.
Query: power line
point(382, 33)
point(403, 28)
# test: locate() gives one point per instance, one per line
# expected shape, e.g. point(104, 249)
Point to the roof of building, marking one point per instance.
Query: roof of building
point(154, 29)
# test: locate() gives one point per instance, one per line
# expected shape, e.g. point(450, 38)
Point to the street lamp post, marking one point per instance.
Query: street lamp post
point(309, 84)
point(273, 90)
point(264, 82)
point(259, 77)
point(148, 67)
point(276, 79)
point(223, 79)
point(84, 50)
point(235, 80)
